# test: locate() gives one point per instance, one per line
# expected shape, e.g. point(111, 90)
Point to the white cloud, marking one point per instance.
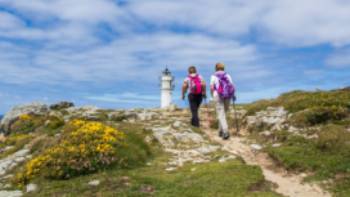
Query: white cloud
point(290, 22)
point(127, 58)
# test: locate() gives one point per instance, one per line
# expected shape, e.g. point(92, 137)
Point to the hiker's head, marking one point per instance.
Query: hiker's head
point(192, 70)
point(220, 66)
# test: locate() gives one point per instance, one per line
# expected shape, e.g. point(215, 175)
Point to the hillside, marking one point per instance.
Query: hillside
point(295, 145)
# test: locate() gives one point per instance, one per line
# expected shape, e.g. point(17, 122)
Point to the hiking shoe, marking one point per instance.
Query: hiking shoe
point(226, 136)
point(221, 133)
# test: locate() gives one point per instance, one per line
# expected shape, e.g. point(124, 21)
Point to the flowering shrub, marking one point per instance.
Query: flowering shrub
point(85, 147)
point(27, 123)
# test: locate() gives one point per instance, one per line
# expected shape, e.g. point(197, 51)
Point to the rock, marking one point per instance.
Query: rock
point(273, 117)
point(226, 158)
point(11, 161)
point(292, 129)
point(12, 115)
point(94, 183)
point(31, 187)
point(169, 169)
point(256, 147)
point(147, 189)
point(177, 124)
point(276, 145)
point(61, 105)
point(172, 108)
point(265, 133)
point(15, 193)
point(146, 115)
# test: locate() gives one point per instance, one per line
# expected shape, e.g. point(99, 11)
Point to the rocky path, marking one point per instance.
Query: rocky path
point(287, 184)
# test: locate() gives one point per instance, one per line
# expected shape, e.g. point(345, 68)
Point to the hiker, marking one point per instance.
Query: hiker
point(222, 91)
point(197, 92)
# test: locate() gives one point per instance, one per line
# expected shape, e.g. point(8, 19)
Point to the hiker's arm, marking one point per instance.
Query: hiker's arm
point(184, 90)
point(204, 89)
point(212, 90)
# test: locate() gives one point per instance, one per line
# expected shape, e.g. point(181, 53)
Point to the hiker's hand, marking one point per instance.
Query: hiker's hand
point(234, 98)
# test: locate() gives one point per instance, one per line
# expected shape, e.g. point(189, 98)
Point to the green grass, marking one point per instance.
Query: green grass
point(296, 101)
point(18, 141)
point(213, 179)
point(326, 158)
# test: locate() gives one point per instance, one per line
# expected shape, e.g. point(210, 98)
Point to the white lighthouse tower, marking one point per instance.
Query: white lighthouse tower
point(167, 86)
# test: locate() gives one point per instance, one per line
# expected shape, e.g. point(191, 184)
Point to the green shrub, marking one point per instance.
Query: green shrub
point(334, 138)
point(54, 122)
point(296, 101)
point(27, 123)
point(85, 147)
point(318, 115)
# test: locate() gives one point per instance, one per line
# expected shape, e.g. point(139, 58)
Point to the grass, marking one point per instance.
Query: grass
point(326, 157)
point(315, 107)
point(146, 176)
point(17, 141)
point(212, 179)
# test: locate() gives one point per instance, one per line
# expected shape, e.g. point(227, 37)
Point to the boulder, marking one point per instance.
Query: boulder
point(61, 105)
point(31, 187)
point(33, 108)
point(15, 193)
point(94, 183)
point(273, 118)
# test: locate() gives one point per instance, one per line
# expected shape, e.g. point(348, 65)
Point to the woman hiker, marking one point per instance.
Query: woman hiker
point(197, 92)
point(222, 91)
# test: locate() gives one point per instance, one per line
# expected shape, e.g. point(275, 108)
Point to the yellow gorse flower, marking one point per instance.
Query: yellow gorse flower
point(84, 145)
point(25, 117)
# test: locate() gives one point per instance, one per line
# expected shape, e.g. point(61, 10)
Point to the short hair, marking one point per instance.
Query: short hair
point(219, 66)
point(192, 70)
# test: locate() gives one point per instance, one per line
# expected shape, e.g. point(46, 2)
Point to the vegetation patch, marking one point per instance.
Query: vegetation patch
point(327, 157)
point(295, 101)
point(85, 147)
point(232, 178)
point(27, 123)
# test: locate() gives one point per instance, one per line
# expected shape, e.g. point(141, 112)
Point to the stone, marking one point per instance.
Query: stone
point(169, 169)
point(147, 189)
point(31, 187)
point(15, 193)
point(276, 145)
point(265, 133)
point(172, 108)
point(61, 105)
point(146, 115)
point(11, 161)
point(14, 113)
point(226, 158)
point(273, 117)
point(177, 124)
point(94, 183)
point(256, 147)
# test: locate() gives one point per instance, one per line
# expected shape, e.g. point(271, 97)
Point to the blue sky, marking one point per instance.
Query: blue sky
point(110, 53)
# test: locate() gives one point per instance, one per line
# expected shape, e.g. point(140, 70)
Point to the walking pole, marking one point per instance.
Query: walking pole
point(235, 114)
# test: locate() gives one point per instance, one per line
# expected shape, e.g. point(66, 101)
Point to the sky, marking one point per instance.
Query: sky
point(110, 53)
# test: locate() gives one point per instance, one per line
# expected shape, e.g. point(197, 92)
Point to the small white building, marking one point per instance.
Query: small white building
point(167, 87)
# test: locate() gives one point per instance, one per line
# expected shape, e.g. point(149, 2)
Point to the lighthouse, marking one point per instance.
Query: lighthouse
point(167, 86)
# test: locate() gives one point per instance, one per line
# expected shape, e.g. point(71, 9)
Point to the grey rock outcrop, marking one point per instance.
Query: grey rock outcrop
point(16, 193)
point(12, 115)
point(273, 117)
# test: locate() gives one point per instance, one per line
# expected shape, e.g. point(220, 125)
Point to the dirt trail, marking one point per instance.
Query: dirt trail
point(287, 184)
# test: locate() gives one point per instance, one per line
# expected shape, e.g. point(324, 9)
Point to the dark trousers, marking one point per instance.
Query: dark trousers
point(195, 102)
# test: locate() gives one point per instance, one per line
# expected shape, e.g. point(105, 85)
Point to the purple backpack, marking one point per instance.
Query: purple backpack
point(226, 90)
